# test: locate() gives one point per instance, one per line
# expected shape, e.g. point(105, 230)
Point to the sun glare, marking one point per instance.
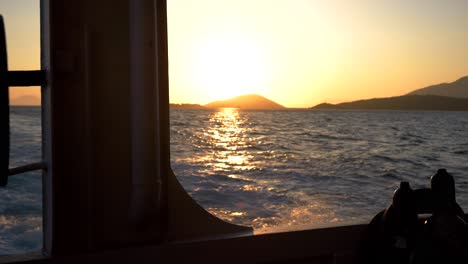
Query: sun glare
point(229, 66)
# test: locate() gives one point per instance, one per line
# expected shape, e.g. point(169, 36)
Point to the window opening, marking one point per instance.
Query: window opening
point(314, 162)
point(21, 207)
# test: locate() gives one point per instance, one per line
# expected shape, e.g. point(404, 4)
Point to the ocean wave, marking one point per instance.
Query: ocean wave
point(276, 169)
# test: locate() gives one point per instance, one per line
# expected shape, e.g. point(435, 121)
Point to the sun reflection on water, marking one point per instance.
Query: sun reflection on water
point(227, 136)
point(243, 172)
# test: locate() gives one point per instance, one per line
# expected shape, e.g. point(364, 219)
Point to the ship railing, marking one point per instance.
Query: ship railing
point(13, 79)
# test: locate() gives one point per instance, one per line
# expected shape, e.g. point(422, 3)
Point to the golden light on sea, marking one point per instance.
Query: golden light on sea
point(227, 136)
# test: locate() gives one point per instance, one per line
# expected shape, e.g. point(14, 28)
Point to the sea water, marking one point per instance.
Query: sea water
point(271, 169)
point(21, 200)
point(287, 168)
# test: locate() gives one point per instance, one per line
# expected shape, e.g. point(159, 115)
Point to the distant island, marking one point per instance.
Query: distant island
point(441, 97)
point(249, 101)
point(246, 102)
point(190, 106)
point(26, 100)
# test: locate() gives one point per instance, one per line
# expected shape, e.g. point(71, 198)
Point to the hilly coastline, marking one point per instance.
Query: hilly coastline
point(441, 97)
point(458, 88)
point(406, 102)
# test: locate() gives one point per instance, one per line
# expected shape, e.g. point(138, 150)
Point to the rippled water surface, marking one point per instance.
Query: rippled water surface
point(21, 200)
point(271, 169)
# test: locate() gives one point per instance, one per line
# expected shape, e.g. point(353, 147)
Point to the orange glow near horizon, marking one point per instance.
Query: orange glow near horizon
point(296, 53)
point(301, 53)
point(22, 28)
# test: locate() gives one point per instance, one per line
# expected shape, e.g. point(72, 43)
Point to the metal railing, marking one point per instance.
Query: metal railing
point(12, 79)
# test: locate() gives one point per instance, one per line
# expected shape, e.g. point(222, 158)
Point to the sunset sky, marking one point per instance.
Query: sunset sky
point(297, 53)
point(22, 27)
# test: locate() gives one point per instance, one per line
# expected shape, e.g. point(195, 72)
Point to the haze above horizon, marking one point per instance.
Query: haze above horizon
point(297, 53)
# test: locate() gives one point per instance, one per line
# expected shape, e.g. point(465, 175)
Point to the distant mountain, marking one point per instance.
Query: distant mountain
point(27, 100)
point(458, 88)
point(190, 106)
point(407, 102)
point(250, 101)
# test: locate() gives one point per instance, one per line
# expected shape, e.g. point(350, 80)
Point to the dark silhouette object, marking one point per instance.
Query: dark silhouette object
point(392, 233)
point(445, 237)
point(443, 188)
point(396, 235)
point(4, 110)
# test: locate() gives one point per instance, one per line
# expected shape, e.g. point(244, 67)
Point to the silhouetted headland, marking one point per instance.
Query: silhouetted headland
point(441, 97)
point(407, 102)
point(26, 100)
point(458, 88)
point(187, 106)
point(249, 101)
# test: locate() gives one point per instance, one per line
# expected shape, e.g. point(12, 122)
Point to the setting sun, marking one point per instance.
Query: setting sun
point(225, 66)
point(297, 53)
point(180, 130)
point(302, 53)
